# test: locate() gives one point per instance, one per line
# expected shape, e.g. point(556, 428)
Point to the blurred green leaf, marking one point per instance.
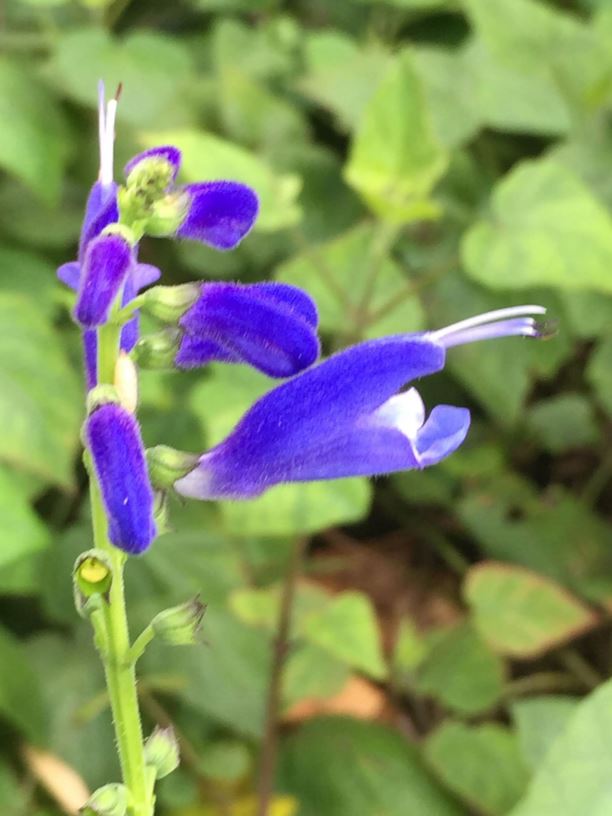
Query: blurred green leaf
point(348, 629)
point(574, 777)
point(598, 373)
point(544, 228)
point(312, 672)
point(520, 613)
point(461, 671)
point(563, 422)
point(22, 532)
point(539, 721)
point(21, 700)
point(481, 763)
point(359, 290)
point(27, 273)
point(299, 509)
point(155, 70)
point(40, 396)
point(395, 158)
point(33, 138)
point(208, 157)
point(386, 773)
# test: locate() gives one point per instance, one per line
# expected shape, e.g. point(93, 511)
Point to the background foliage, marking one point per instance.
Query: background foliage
point(418, 161)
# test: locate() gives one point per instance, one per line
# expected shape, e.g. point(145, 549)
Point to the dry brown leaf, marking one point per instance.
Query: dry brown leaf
point(60, 780)
point(358, 698)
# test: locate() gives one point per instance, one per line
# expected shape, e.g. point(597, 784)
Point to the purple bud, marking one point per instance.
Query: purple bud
point(271, 326)
point(220, 213)
point(107, 262)
point(113, 438)
point(100, 211)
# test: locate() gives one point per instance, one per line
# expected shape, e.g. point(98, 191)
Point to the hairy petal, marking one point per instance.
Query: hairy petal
point(100, 211)
point(69, 274)
point(104, 272)
point(271, 326)
point(220, 213)
point(320, 424)
point(113, 438)
point(90, 357)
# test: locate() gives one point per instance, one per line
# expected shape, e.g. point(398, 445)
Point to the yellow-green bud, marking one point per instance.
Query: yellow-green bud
point(169, 303)
point(92, 578)
point(180, 625)
point(161, 751)
point(167, 464)
point(111, 800)
point(158, 350)
point(151, 177)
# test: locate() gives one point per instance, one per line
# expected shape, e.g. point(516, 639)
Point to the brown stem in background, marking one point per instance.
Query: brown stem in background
point(267, 761)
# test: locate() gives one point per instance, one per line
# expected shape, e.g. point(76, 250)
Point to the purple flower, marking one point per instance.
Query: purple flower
point(108, 259)
point(113, 438)
point(218, 213)
point(345, 417)
point(270, 326)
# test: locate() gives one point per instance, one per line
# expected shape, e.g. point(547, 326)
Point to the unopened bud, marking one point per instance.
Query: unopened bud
point(167, 464)
point(92, 578)
point(111, 800)
point(151, 176)
point(180, 625)
point(158, 350)
point(161, 751)
point(126, 382)
point(169, 303)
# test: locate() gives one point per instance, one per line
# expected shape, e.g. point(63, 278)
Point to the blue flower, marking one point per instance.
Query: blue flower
point(270, 326)
point(346, 417)
point(113, 439)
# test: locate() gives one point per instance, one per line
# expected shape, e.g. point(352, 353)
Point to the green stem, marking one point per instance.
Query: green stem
point(119, 665)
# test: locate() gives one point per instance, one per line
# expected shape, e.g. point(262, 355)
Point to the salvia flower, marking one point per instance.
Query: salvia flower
point(113, 438)
point(217, 213)
point(346, 417)
point(270, 326)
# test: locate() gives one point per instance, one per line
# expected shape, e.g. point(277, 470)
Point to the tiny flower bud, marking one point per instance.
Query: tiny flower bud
point(180, 625)
point(169, 303)
point(167, 464)
point(151, 176)
point(126, 382)
point(161, 751)
point(92, 578)
point(111, 800)
point(158, 350)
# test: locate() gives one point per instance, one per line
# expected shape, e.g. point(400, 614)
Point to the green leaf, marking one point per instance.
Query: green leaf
point(482, 764)
point(312, 672)
point(598, 373)
point(155, 70)
point(20, 691)
point(574, 778)
point(386, 775)
point(563, 422)
point(21, 531)
point(208, 157)
point(33, 138)
point(299, 509)
point(347, 628)
point(521, 613)
point(26, 273)
point(539, 721)
point(545, 228)
point(395, 158)
point(40, 395)
point(342, 76)
point(357, 291)
point(461, 671)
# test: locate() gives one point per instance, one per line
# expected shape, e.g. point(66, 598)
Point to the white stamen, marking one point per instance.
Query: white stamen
point(487, 317)
point(107, 137)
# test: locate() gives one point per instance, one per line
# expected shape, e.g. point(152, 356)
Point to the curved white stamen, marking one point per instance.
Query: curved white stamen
point(106, 125)
point(101, 117)
point(486, 318)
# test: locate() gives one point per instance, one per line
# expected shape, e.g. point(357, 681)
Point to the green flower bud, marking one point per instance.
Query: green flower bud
point(158, 350)
point(92, 577)
point(111, 800)
point(161, 751)
point(166, 465)
point(169, 303)
point(151, 177)
point(180, 625)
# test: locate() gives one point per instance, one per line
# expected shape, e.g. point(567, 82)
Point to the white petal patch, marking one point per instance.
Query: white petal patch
point(405, 411)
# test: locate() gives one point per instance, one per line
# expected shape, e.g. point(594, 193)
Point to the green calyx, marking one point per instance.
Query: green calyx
point(111, 800)
point(155, 351)
point(161, 751)
point(169, 303)
point(92, 577)
point(151, 177)
point(101, 395)
point(146, 203)
point(167, 464)
point(180, 625)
